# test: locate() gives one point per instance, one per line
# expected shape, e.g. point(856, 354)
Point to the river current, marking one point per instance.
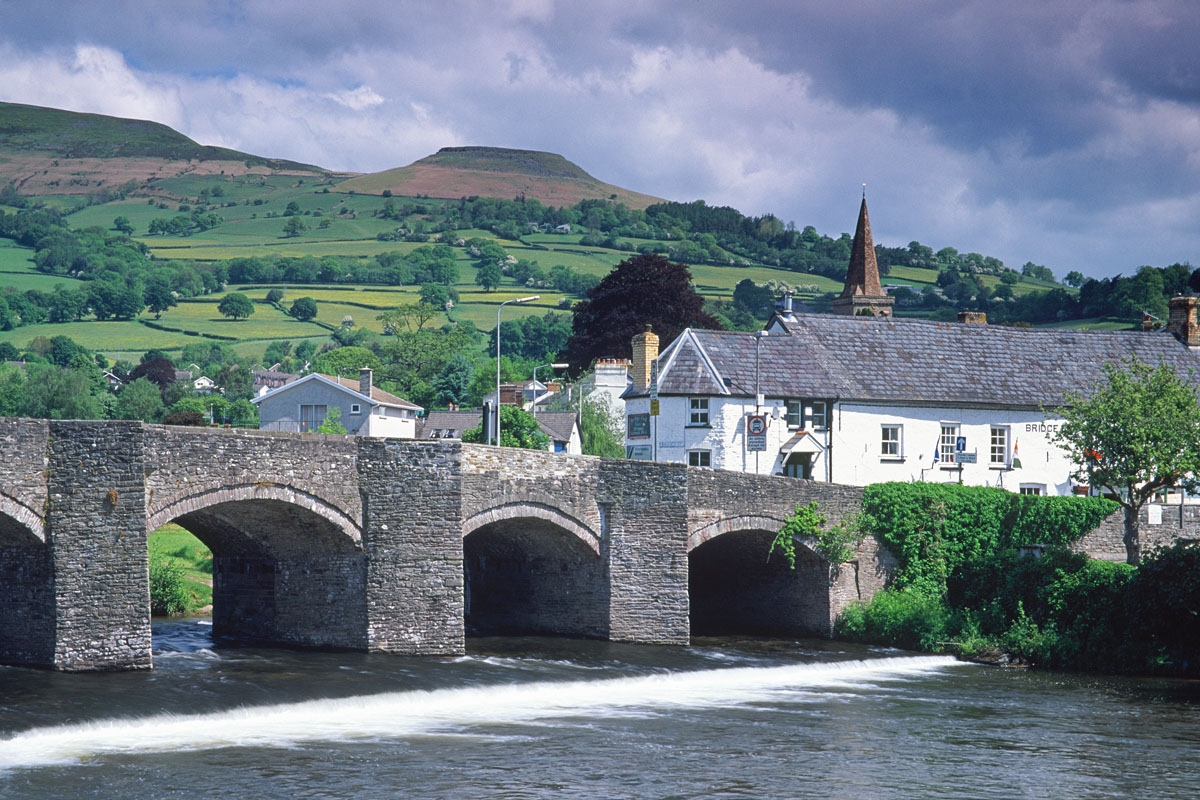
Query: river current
point(553, 718)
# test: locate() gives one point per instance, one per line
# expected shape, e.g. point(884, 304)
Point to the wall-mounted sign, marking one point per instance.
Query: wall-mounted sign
point(639, 452)
point(637, 426)
point(661, 445)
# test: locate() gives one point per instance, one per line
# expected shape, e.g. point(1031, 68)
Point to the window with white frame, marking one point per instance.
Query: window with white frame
point(890, 441)
point(795, 413)
point(946, 443)
point(1033, 488)
point(820, 415)
point(697, 411)
point(699, 458)
point(999, 447)
point(355, 408)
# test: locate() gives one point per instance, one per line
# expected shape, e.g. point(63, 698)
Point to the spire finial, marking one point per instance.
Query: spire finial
point(864, 191)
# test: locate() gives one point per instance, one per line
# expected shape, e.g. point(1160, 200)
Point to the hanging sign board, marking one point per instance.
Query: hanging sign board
point(756, 433)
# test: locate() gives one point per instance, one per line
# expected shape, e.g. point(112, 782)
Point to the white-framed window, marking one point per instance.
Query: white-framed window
point(998, 450)
point(697, 411)
point(355, 408)
point(947, 441)
point(795, 413)
point(820, 415)
point(1033, 488)
point(699, 458)
point(891, 438)
point(311, 417)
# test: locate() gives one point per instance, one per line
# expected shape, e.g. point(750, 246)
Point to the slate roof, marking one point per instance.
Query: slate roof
point(450, 423)
point(909, 361)
point(377, 394)
point(558, 425)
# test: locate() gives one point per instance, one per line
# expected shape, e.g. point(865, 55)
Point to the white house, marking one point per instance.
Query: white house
point(302, 405)
point(860, 399)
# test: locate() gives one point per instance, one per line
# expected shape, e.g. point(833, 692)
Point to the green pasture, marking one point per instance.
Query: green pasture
point(101, 337)
point(373, 297)
point(36, 280)
point(14, 258)
point(267, 322)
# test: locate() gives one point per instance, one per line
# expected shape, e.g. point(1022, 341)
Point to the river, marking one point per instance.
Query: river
point(554, 718)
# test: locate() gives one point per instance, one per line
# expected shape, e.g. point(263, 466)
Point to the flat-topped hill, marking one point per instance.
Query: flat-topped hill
point(496, 172)
point(52, 151)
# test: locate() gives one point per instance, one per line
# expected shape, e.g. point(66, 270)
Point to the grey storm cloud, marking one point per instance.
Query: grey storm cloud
point(1063, 133)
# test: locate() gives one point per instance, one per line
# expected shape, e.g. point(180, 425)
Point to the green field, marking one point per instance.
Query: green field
point(178, 545)
point(267, 322)
point(102, 337)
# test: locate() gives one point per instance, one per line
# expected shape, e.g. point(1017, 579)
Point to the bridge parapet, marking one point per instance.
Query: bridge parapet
point(23, 472)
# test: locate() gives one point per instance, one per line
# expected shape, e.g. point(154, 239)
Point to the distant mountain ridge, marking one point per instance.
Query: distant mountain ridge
point(49, 151)
point(52, 151)
point(476, 171)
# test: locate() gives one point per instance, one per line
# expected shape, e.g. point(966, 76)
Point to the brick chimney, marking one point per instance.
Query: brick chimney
point(1182, 322)
point(972, 317)
point(645, 351)
point(364, 381)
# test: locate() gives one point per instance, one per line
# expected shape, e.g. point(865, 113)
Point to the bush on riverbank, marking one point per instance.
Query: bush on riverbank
point(961, 585)
point(180, 572)
point(1063, 611)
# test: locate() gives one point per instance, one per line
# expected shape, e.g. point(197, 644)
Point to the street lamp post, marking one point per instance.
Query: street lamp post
point(502, 305)
point(555, 365)
point(758, 398)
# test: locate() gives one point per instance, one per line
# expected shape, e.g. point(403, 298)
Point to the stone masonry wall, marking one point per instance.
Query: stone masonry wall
point(412, 532)
point(1171, 522)
point(644, 509)
point(209, 464)
point(96, 531)
point(26, 577)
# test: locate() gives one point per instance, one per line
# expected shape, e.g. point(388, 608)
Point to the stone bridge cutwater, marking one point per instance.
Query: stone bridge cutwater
point(393, 546)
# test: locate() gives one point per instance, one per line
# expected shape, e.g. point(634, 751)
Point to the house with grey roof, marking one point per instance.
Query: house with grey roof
point(860, 398)
point(561, 427)
point(365, 410)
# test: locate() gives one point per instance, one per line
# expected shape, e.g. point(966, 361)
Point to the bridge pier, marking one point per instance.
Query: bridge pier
point(96, 539)
point(412, 535)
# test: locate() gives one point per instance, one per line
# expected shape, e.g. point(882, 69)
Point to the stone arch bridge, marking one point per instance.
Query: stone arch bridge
point(391, 545)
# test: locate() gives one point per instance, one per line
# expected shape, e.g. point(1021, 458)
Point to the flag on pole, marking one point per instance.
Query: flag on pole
point(937, 450)
point(1016, 455)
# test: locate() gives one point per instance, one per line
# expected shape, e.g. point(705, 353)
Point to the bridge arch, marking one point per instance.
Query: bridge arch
point(26, 586)
point(533, 568)
point(23, 517)
point(737, 585)
point(288, 567)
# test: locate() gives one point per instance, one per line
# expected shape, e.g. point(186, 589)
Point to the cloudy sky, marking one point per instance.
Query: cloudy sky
point(1064, 133)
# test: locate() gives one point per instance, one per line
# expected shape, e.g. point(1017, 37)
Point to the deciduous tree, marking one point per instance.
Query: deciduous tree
point(236, 305)
point(1137, 434)
point(645, 289)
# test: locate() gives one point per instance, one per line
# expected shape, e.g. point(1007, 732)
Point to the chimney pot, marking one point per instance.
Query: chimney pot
point(364, 381)
point(645, 351)
point(1182, 321)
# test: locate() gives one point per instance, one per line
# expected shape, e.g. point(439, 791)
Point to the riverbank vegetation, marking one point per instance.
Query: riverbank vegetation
point(963, 586)
point(180, 572)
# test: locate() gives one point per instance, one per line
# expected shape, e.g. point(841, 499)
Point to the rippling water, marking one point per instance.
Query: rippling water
point(543, 718)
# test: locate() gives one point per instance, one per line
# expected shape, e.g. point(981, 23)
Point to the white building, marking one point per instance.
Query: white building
point(365, 410)
point(864, 399)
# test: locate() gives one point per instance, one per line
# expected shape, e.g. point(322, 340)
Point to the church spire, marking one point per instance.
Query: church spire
point(863, 290)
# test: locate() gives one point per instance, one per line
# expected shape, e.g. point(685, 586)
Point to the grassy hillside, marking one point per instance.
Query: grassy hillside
point(455, 172)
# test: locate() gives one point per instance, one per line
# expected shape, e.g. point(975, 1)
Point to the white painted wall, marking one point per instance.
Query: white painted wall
point(849, 449)
point(394, 423)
